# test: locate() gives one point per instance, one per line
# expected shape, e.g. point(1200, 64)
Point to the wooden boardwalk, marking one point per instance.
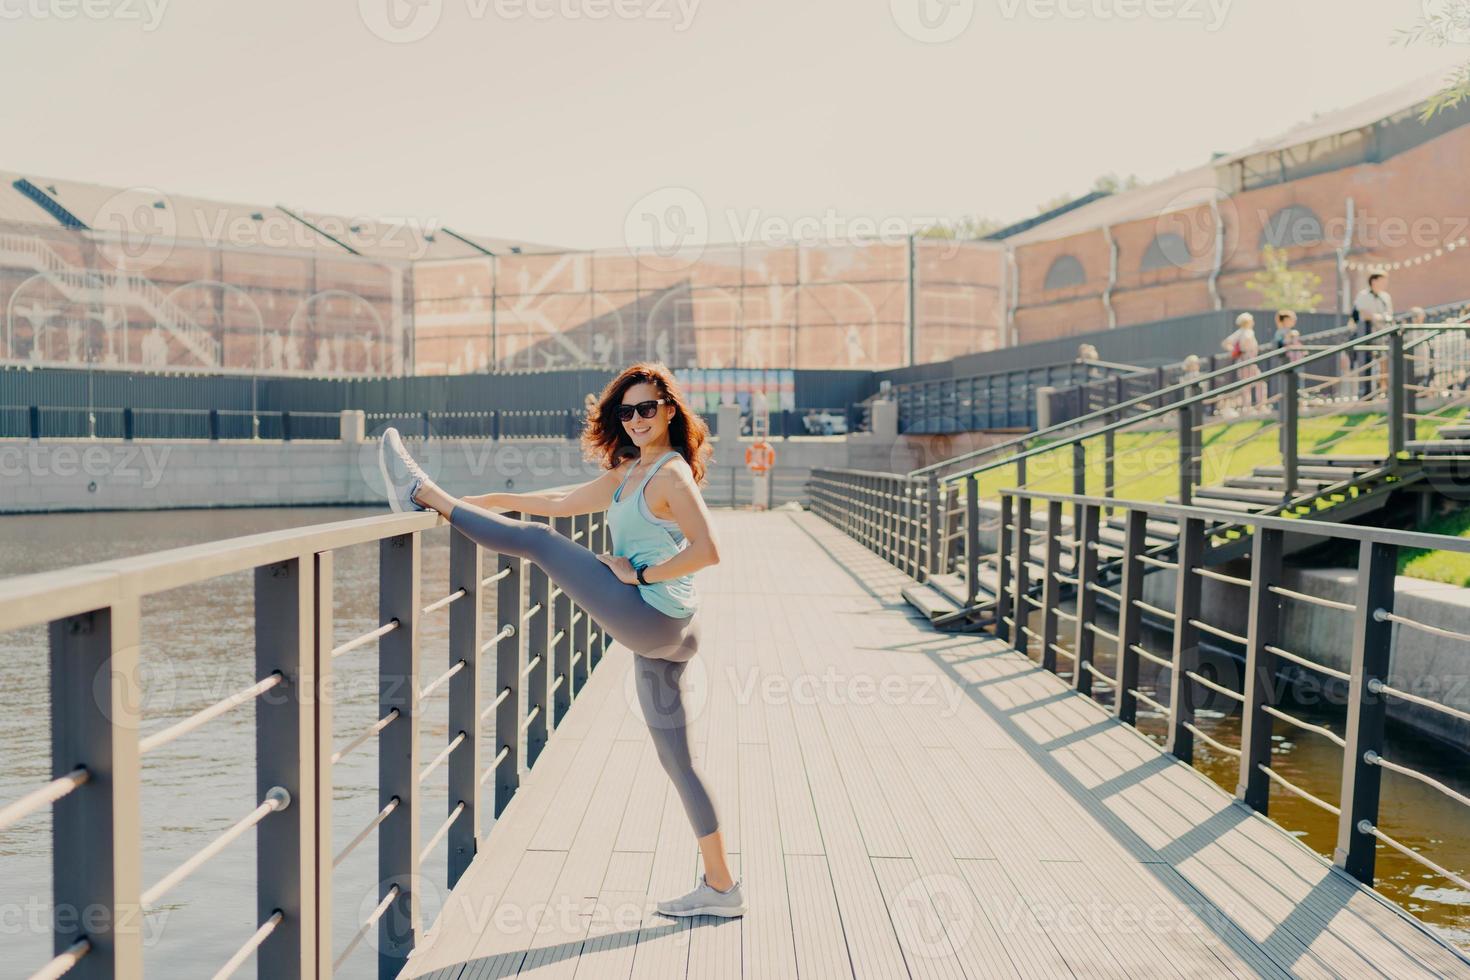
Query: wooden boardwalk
point(900, 803)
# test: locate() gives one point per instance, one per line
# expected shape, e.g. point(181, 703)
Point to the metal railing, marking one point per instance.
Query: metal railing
point(1004, 400)
point(537, 652)
point(1260, 701)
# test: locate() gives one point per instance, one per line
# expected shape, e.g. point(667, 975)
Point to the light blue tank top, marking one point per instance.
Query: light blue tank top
point(647, 540)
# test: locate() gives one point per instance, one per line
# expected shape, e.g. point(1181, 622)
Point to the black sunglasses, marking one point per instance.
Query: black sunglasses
point(644, 409)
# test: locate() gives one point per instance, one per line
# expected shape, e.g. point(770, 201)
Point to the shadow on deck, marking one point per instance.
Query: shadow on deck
point(899, 803)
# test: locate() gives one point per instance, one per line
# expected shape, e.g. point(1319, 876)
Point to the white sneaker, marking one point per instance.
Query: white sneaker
point(400, 491)
point(705, 900)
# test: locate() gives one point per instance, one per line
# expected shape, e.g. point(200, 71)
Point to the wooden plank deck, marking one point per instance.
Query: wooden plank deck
point(901, 803)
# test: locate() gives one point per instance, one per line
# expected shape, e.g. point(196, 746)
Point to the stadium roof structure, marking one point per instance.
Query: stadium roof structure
point(1333, 139)
point(37, 200)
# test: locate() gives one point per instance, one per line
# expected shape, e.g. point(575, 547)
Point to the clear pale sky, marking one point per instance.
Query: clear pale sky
point(531, 119)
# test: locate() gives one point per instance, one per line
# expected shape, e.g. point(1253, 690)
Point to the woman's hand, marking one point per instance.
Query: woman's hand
point(622, 568)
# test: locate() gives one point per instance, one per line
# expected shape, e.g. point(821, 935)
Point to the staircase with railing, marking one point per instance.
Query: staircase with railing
point(98, 286)
point(1330, 432)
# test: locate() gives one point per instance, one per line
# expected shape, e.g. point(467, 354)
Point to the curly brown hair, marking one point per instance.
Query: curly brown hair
point(605, 440)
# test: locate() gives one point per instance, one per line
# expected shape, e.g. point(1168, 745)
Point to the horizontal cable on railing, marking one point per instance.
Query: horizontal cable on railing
point(490, 770)
point(1087, 665)
point(530, 717)
point(1066, 579)
point(1102, 632)
point(441, 603)
point(1063, 614)
point(365, 832)
point(1383, 615)
point(1374, 759)
point(577, 654)
point(1155, 610)
point(276, 799)
point(1217, 688)
point(1309, 664)
point(366, 927)
point(443, 829)
point(1103, 590)
point(1149, 701)
point(507, 630)
point(1150, 656)
point(560, 680)
point(1377, 686)
point(1216, 631)
point(366, 638)
point(1287, 784)
point(499, 698)
point(1222, 577)
point(557, 638)
point(530, 612)
point(251, 945)
point(1034, 602)
point(1366, 827)
point(368, 733)
point(438, 760)
point(39, 799)
point(199, 718)
point(492, 579)
point(1157, 562)
point(535, 662)
point(438, 682)
point(1326, 733)
point(1312, 599)
point(1058, 648)
point(62, 963)
point(1218, 746)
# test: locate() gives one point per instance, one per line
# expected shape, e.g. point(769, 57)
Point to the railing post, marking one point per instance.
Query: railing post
point(285, 755)
point(1110, 449)
point(1185, 416)
point(932, 495)
point(1396, 388)
point(972, 540)
point(465, 572)
point(1050, 587)
point(97, 843)
point(1003, 609)
point(1191, 553)
point(1020, 577)
point(581, 630)
point(398, 765)
point(1259, 685)
point(1085, 644)
point(600, 641)
point(538, 652)
point(1130, 620)
point(1372, 647)
point(1289, 413)
point(324, 625)
point(561, 647)
point(508, 678)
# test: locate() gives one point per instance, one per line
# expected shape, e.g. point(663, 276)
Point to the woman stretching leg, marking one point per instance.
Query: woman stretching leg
point(642, 594)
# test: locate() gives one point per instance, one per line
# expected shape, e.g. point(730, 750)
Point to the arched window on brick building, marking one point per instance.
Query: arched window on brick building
point(1293, 225)
point(1065, 271)
point(1167, 251)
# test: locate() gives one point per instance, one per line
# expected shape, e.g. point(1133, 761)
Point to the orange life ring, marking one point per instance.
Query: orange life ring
point(760, 457)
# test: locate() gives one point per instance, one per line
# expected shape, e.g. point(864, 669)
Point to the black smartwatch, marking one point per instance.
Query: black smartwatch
point(641, 579)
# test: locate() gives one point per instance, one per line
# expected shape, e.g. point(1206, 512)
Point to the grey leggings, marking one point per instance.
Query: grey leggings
point(662, 645)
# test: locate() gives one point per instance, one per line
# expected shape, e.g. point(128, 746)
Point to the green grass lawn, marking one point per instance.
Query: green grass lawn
point(1146, 468)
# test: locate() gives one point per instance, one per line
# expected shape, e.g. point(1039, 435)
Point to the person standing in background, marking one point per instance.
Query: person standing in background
point(1243, 347)
point(1372, 311)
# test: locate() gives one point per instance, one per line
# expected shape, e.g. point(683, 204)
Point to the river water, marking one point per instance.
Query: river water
point(197, 649)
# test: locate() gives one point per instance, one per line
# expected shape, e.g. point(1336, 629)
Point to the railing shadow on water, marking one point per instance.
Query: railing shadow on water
point(537, 650)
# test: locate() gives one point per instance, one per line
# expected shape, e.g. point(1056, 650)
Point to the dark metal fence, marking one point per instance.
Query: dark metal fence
point(510, 678)
point(1007, 400)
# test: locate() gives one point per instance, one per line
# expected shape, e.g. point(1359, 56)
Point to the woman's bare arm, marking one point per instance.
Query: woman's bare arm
point(589, 498)
point(678, 493)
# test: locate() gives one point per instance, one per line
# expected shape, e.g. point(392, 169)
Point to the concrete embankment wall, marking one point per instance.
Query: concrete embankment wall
point(104, 474)
point(1433, 667)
